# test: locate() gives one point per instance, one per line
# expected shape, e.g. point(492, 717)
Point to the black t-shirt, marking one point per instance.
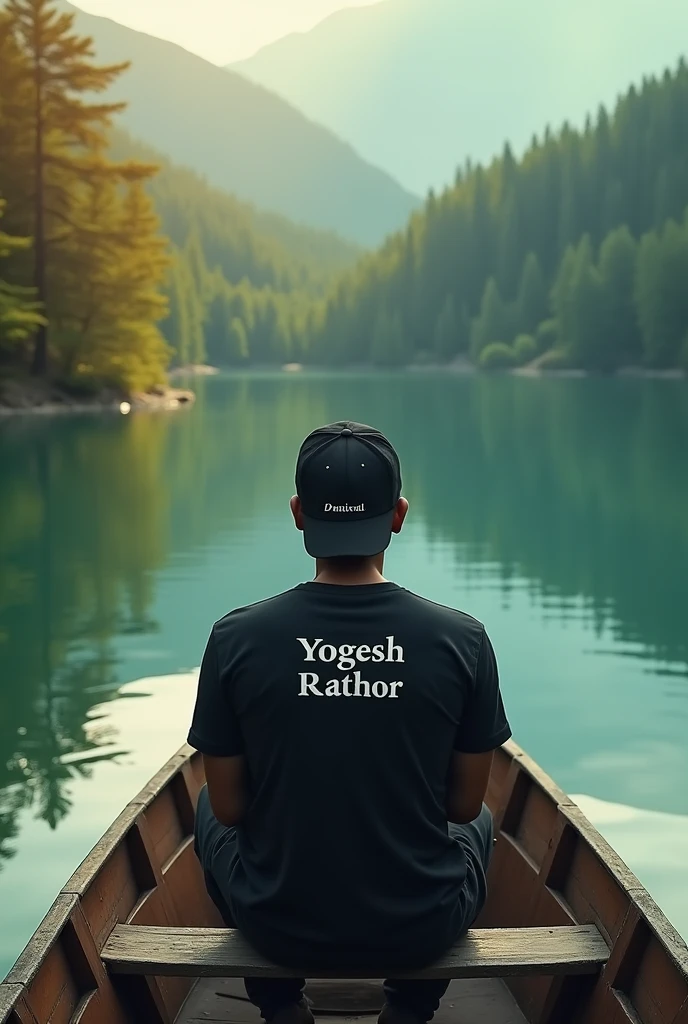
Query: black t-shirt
point(347, 702)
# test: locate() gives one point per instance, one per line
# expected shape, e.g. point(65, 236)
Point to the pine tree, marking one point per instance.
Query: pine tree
point(620, 339)
point(237, 342)
point(20, 315)
point(570, 223)
point(447, 340)
point(492, 323)
point(195, 257)
point(184, 327)
point(15, 135)
point(64, 128)
point(531, 303)
point(388, 344)
point(508, 245)
point(282, 338)
point(483, 239)
point(586, 321)
point(111, 279)
point(562, 297)
point(661, 293)
point(218, 319)
point(613, 206)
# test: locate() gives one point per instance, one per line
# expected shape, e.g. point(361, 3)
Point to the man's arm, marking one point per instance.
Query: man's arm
point(483, 728)
point(227, 789)
point(216, 732)
point(469, 775)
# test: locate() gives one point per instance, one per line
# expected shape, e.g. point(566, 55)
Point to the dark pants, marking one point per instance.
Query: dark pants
point(421, 997)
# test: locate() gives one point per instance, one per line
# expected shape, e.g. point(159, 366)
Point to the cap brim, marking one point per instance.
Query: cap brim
point(358, 538)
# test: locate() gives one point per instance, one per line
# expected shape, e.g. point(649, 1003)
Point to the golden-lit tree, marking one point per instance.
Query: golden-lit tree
point(19, 314)
point(88, 241)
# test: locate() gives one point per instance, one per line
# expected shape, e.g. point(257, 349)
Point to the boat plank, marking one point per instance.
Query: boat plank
point(551, 868)
point(10, 997)
point(42, 942)
point(223, 1002)
point(482, 953)
point(541, 779)
point(674, 945)
point(605, 854)
point(112, 840)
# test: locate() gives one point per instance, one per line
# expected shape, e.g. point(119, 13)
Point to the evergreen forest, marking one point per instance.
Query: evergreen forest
point(116, 265)
point(575, 256)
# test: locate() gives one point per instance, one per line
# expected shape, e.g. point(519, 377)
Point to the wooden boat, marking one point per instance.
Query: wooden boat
point(592, 947)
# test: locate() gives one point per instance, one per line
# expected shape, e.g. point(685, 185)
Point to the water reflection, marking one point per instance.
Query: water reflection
point(79, 533)
point(569, 497)
point(654, 845)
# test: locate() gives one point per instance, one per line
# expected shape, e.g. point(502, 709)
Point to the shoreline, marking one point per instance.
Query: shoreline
point(637, 372)
point(459, 367)
point(193, 370)
point(39, 398)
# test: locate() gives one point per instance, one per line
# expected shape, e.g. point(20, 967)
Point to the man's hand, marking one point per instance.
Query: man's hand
point(467, 785)
point(227, 788)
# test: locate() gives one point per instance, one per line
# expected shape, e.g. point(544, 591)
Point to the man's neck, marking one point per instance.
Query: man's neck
point(368, 572)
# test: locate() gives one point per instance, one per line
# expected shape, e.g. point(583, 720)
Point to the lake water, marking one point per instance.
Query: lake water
point(554, 510)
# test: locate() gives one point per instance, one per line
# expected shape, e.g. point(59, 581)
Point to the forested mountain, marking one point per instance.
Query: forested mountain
point(109, 251)
point(417, 86)
point(264, 248)
point(242, 283)
point(575, 255)
point(581, 247)
point(243, 138)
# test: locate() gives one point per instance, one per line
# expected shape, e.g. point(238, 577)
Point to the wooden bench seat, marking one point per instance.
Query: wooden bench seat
point(481, 953)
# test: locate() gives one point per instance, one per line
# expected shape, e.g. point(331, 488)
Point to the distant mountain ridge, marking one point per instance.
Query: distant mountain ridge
point(418, 86)
point(247, 244)
point(244, 139)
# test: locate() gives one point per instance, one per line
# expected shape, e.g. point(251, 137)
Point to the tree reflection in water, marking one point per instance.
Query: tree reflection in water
point(575, 486)
point(72, 578)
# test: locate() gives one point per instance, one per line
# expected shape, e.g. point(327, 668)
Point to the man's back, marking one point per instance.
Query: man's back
point(347, 703)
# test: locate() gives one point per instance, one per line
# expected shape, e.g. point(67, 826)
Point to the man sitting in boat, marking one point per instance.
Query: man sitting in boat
point(348, 728)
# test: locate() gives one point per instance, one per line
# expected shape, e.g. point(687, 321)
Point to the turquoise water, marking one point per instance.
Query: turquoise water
point(554, 510)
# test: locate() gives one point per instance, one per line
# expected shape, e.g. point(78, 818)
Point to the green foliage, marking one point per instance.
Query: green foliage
point(508, 232)
point(661, 293)
point(231, 282)
point(585, 299)
point(237, 342)
point(562, 294)
point(619, 340)
point(234, 261)
point(96, 262)
point(555, 359)
point(531, 303)
point(389, 348)
point(547, 335)
point(447, 341)
point(492, 320)
point(570, 245)
point(20, 315)
point(525, 349)
point(554, 235)
point(233, 236)
point(497, 356)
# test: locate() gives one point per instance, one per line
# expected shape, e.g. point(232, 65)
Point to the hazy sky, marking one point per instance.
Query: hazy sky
point(219, 30)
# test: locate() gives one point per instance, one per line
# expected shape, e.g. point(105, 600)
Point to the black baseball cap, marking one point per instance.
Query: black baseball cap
point(349, 481)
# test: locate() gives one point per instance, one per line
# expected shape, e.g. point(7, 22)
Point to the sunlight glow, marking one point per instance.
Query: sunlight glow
point(221, 31)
